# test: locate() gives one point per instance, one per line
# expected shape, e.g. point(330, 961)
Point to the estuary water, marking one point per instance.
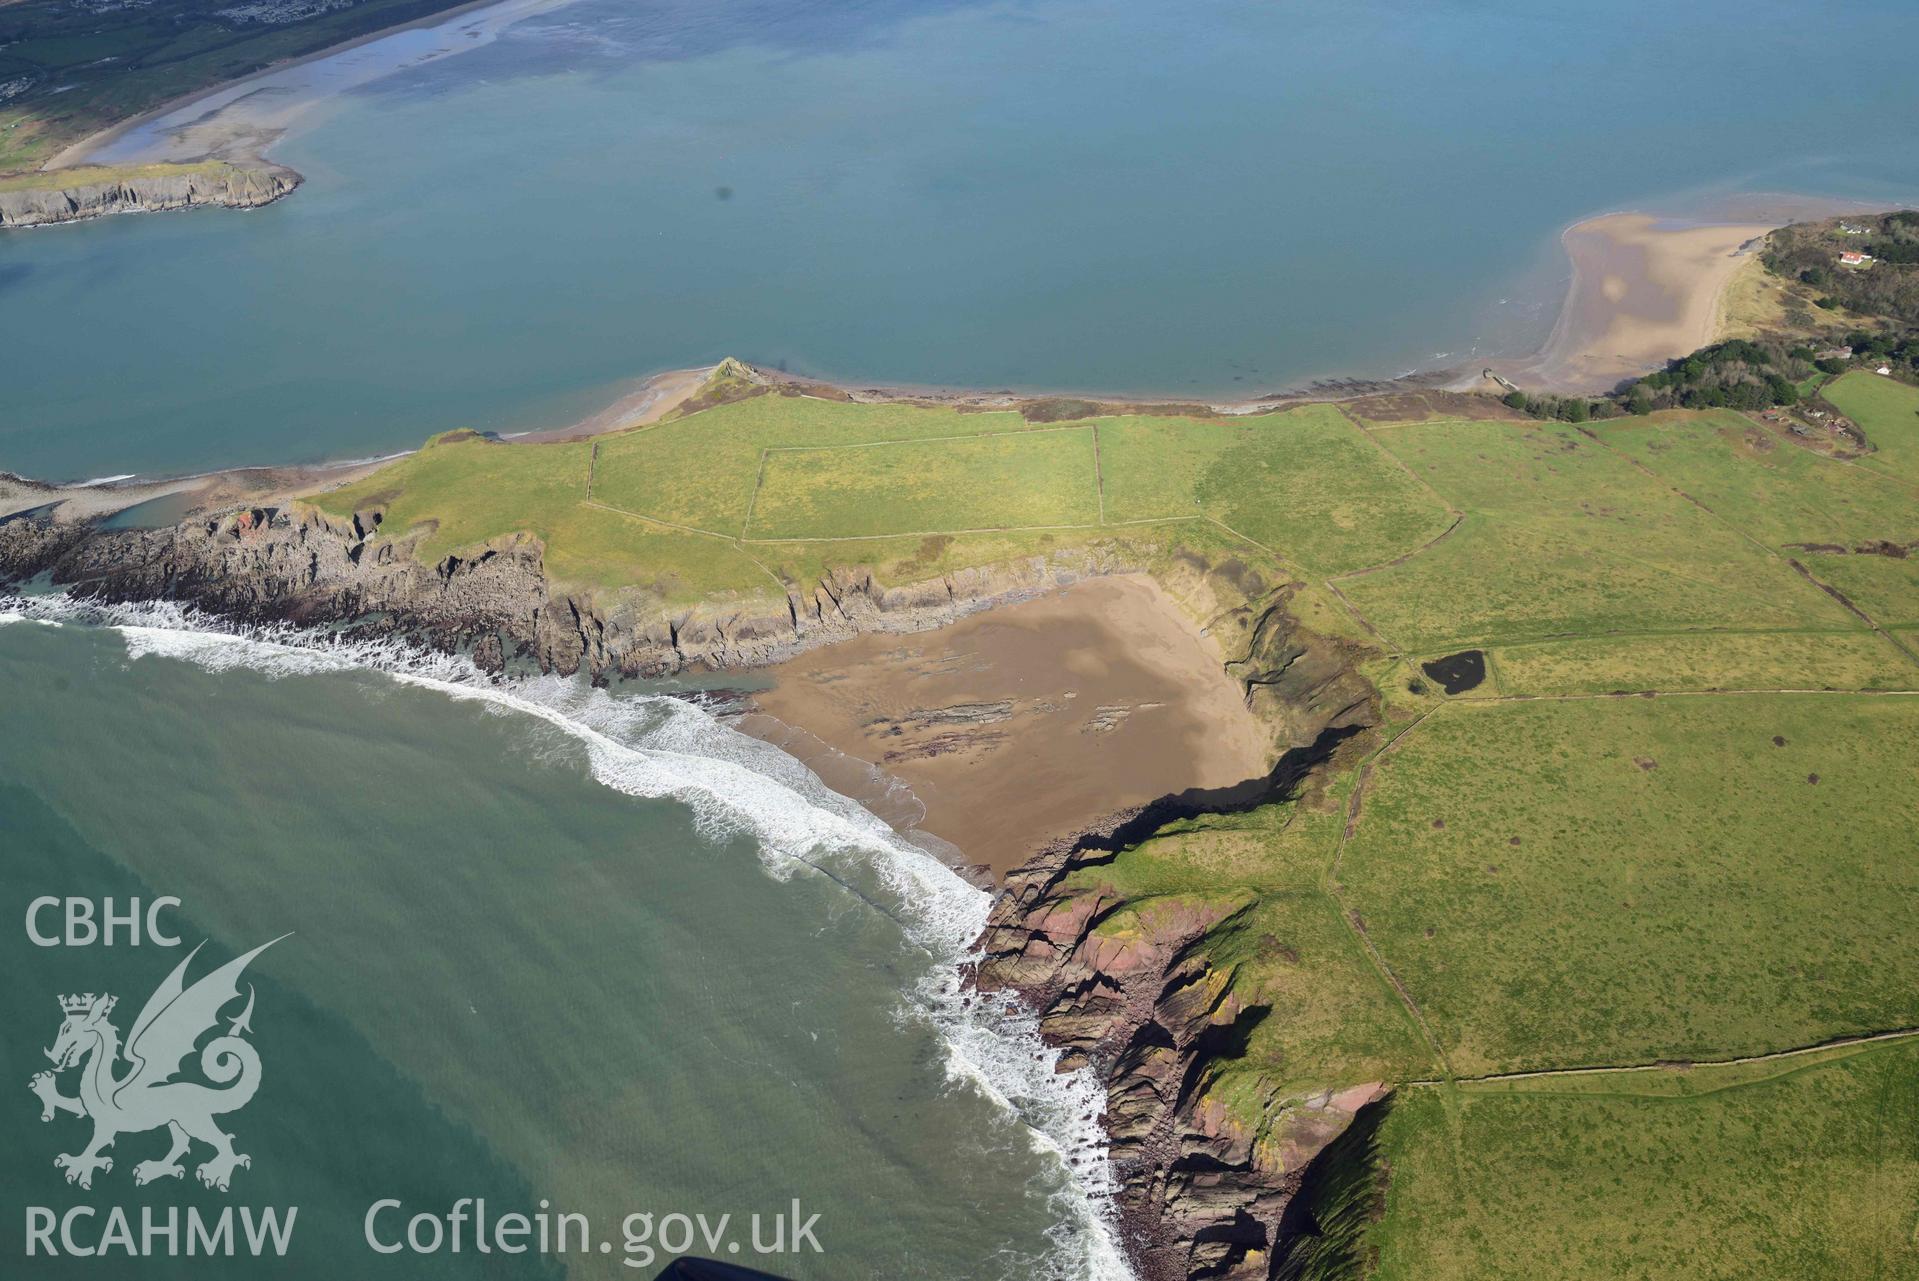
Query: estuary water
point(549, 947)
point(1209, 199)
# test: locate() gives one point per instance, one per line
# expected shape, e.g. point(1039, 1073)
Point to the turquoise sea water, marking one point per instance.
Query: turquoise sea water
point(547, 944)
point(1211, 198)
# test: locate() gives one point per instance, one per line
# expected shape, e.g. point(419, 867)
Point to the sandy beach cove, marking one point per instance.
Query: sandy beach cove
point(1027, 723)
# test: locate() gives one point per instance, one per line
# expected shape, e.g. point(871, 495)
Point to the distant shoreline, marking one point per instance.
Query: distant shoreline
point(209, 147)
point(251, 144)
point(1681, 266)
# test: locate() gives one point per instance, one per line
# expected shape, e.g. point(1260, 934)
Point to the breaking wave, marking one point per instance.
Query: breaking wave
point(656, 747)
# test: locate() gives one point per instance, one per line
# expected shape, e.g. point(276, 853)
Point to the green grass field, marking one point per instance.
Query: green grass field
point(1010, 481)
point(1755, 479)
point(773, 482)
point(1565, 536)
point(1307, 483)
point(1561, 884)
point(702, 470)
point(1887, 589)
point(84, 174)
point(1888, 412)
point(1810, 1174)
point(1537, 874)
point(466, 491)
point(1698, 661)
point(1797, 502)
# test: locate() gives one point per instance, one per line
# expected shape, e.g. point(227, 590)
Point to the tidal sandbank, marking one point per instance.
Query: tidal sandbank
point(1648, 288)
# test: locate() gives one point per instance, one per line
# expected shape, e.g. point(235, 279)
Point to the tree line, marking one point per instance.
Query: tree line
point(1888, 287)
point(1738, 374)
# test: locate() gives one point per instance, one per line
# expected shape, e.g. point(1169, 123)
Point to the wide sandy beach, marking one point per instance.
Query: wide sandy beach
point(1026, 723)
point(1644, 291)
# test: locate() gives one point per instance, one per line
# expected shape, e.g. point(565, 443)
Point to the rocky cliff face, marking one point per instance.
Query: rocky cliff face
point(277, 565)
point(1144, 1006)
point(143, 190)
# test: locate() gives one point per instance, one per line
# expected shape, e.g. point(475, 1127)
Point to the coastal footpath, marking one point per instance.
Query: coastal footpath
point(74, 195)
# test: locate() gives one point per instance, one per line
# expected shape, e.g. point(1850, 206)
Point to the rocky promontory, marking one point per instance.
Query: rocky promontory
point(297, 565)
point(72, 195)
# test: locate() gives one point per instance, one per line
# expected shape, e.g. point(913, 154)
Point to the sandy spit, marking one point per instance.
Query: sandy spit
point(1643, 292)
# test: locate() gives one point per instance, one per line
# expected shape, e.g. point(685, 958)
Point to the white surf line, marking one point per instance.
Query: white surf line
point(655, 747)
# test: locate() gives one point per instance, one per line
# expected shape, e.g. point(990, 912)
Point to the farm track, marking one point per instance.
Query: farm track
point(1776, 1056)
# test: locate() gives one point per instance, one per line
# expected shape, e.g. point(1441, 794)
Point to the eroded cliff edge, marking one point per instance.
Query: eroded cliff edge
point(299, 566)
point(74, 195)
point(1203, 1193)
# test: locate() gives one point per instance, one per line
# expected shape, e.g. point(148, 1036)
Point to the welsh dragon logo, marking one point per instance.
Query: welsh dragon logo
point(145, 1096)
